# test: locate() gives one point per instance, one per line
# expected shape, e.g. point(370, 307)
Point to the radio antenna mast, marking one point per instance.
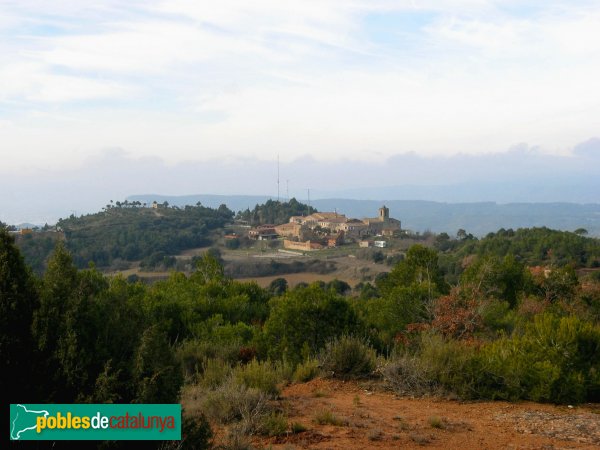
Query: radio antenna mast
point(277, 177)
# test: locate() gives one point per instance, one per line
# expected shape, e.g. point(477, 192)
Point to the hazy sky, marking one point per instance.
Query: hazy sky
point(364, 80)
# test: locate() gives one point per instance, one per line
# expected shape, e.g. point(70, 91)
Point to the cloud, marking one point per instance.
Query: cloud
point(186, 80)
point(589, 148)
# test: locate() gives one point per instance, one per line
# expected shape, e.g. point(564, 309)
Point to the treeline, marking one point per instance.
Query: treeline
point(275, 212)
point(530, 246)
point(534, 246)
point(76, 336)
point(129, 232)
point(224, 348)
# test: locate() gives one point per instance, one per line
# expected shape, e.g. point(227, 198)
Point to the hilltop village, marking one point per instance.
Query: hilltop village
point(329, 229)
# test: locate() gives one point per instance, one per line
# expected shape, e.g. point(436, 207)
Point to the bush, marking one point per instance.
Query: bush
point(326, 417)
point(194, 354)
point(274, 424)
point(554, 359)
point(214, 371)
point(265, 376)
point(297, 427)
point(407, 375)
point(304, 320)
point(438, 365)
point(232, 402)
point(348, 357)
point(306, 371)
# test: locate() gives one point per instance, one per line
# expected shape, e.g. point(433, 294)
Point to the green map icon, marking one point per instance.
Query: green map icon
point(24, 420)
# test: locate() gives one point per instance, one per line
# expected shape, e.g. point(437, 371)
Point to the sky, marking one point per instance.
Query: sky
point(231, 85)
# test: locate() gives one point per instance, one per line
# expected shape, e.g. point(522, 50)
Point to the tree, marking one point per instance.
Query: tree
point(18, 300)
point(306, 317)
point(504, 279)
point(339, 287)
point(158, 377)
point(66, 328)
point(278, 286)
point(558, 284)
point(208, 268)
point(419, 268)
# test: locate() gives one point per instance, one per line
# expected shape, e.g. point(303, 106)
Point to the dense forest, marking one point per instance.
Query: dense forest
point(498, 330)
point(127, 232)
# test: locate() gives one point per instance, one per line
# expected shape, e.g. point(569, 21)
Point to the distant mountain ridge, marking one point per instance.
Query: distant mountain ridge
point(478, 218)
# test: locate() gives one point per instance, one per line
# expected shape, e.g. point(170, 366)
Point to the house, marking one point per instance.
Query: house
point(355, 228)
point(290, 230)
point(352, 228)
point(263, 233)
point(389, 232)
point(364, 244)
point(380, 244)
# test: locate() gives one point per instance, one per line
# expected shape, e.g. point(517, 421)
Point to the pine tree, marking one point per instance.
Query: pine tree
point(18, 300)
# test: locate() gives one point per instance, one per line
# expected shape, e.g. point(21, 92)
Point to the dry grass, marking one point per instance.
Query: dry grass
point(326, 417)
point(436, 422)
point(420, 439)
point(376, 435)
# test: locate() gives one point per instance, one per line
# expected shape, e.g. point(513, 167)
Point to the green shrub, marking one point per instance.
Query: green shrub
point(438, 365)
point(214, 371)
point(436, 422)
point(297, 427)
point(274, 424)
point(326, 417)
point(348, 357)
point(555, 360)
point(306, 318)
point(265, 375)
point(306, 371)
point(193, 354)
point(445, 363)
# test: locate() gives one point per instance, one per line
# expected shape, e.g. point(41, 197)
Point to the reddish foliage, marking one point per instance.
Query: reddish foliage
point(456, 314)
point(531, 306)
point(246, 354)
point(401, 339)
point(412, 330)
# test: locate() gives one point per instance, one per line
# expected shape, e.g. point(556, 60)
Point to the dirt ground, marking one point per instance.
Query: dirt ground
point(381, 420)
point(348, 269)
